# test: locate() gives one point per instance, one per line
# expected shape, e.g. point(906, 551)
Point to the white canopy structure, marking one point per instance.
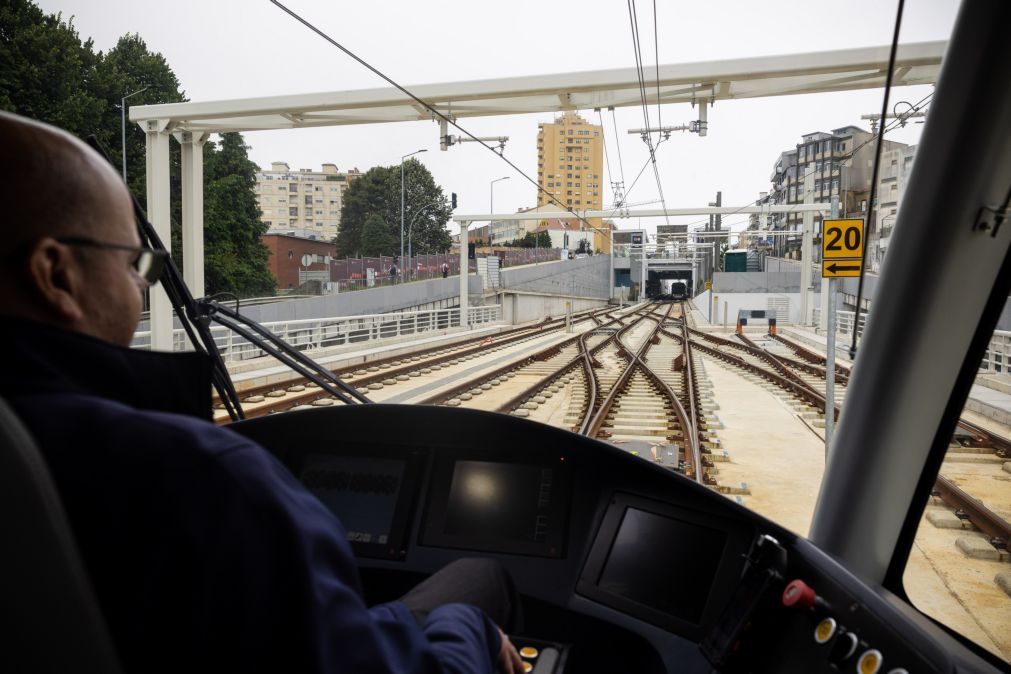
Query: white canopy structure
point(695, 83)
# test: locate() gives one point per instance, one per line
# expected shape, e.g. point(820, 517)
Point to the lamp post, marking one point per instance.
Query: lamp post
point(410, 229)
point(402, 201)
point(491, 204)
point(122, 109)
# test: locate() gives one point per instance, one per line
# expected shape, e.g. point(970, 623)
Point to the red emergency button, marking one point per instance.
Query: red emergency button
point(798, 594)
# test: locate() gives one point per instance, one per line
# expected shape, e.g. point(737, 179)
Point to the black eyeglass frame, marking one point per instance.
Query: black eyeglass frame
point(154, 262)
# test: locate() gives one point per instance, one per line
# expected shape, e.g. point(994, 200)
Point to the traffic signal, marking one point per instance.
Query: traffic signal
point(471, 251)
point(453, 200)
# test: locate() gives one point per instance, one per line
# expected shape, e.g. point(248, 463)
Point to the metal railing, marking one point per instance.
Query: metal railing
point(844, 322)
point(997, 357)
point(317, 333)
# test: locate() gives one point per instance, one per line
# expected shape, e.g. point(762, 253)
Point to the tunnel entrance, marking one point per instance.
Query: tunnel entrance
point(676, 284)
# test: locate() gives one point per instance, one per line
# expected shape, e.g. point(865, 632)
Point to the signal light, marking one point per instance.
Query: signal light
point(453, 200)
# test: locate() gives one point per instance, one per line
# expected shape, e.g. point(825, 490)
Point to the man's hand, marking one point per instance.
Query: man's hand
point(509, 661)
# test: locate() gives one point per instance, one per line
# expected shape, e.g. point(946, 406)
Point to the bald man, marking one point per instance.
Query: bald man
point(204, 552)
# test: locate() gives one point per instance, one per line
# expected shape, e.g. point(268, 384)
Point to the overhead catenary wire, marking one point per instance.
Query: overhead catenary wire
point(435, 112)
point(640, 74)
point(874, 175)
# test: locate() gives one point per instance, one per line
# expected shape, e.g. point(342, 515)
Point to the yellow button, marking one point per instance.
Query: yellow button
point(529, 652)
point(825, 630)
point(527, 667)
point(869, 662)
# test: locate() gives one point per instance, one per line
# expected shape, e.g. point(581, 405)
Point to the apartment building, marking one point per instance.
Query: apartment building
point(893, 176)
point(304, 200)
point(841, 164)
point(570, 160)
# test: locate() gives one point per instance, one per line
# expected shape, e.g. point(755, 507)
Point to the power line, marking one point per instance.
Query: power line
point(435, 112)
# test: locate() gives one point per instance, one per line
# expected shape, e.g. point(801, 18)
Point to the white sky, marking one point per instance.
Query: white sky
point(223, 49)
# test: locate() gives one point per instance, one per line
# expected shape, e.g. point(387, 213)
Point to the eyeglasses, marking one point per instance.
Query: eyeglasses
point(147, 263)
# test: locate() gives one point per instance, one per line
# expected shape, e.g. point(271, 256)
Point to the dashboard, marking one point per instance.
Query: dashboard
point(621, 563)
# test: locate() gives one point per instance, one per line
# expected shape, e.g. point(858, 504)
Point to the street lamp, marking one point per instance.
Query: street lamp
point(410, 228)
point(491, 205)
point(122, 109)
point(402, 201)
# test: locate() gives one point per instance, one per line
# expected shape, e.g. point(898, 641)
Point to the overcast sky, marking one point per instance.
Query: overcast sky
point(224, 49)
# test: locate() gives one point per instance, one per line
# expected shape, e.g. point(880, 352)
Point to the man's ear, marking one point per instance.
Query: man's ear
point(56, 277)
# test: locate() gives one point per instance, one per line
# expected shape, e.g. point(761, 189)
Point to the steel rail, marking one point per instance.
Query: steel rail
point(465, 386)
point(447, 353)
point(761, 354)
point(802, 390)
point(842, 372)
point(984, 519)
point(694, 467)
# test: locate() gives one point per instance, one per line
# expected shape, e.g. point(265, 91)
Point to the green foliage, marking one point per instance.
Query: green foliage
point(376, 238)
point(543, 240)
point(377, 193)
point(47, 73)
point(236, 257)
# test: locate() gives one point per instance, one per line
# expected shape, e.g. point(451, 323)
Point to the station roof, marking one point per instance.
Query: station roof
point(815, 72)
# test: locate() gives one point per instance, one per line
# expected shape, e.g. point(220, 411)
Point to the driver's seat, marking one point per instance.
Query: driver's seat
point(50, 620)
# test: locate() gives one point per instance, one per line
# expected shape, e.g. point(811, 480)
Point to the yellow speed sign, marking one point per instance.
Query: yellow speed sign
point(842, 248)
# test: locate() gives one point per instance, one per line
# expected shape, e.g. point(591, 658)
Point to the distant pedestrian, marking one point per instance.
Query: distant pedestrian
point(445, 269)
point(393, 273)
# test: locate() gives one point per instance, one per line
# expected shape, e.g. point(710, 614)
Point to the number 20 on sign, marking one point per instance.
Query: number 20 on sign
point(842, 248)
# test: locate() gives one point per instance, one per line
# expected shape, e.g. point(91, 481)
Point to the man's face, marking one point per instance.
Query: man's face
point(113, 302)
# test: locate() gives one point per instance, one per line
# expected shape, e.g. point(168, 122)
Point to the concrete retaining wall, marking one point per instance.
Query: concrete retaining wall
point(756, 282)
point(734, 302)
point(437, 293)
point(585, 277)
point(522, 307)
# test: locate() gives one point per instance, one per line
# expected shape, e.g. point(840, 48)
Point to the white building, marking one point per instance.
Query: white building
point(305, 199)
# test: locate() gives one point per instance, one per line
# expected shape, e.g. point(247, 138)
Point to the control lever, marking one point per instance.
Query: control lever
point(762, 576)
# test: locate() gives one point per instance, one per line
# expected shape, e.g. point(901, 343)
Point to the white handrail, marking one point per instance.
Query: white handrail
point(315, 333)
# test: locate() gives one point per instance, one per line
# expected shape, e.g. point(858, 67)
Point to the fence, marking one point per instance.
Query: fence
point(317, 333)
point(996, 358)
point(350, 274)
point(844, 322)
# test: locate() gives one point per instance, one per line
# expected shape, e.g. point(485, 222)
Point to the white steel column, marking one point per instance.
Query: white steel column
point(807, 252)
point(464, 269)
point(193, 209)
point(159, 213)
point(825, 285)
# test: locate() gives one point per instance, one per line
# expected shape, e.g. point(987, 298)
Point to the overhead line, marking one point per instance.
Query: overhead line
point(435, 112)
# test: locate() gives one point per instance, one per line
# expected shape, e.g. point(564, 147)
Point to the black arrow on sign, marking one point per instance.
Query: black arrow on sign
point(843, 267)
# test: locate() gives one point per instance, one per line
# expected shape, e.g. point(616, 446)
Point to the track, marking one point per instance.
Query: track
point(381, 373)
point(803, 377)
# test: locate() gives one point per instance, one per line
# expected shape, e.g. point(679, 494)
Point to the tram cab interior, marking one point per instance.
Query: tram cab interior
point(625, 566)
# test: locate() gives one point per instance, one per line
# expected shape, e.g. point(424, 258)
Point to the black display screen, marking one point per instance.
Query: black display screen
point(499, 506)
point(499, 501)
point(362, 492)
point(664, 563)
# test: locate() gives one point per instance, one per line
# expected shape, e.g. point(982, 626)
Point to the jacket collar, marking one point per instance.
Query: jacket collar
point(39, 359)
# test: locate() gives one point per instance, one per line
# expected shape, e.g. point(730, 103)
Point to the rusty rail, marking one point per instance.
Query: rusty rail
point(986, 520)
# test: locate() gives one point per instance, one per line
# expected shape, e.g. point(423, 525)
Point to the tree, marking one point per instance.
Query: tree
point(543, 240)
point(46, 72)
point(235, 256)
point(377, 193)
point(376, 239)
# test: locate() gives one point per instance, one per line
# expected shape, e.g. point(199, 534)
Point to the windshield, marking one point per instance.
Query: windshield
point(528, 136)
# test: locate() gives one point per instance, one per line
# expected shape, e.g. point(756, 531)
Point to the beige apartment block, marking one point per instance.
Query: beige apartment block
point(570, 160)
point(304, 200)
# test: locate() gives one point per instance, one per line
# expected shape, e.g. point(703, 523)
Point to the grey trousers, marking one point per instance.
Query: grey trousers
point(476, 581)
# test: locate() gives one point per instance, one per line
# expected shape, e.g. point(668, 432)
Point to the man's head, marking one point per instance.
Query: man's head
point(61, 199)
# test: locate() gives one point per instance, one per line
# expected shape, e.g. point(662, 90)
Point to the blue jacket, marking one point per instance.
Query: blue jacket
point(205, 553)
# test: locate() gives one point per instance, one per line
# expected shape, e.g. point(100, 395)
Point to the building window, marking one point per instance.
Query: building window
point(293, 187)
point(291, 254)
point(293, 211)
